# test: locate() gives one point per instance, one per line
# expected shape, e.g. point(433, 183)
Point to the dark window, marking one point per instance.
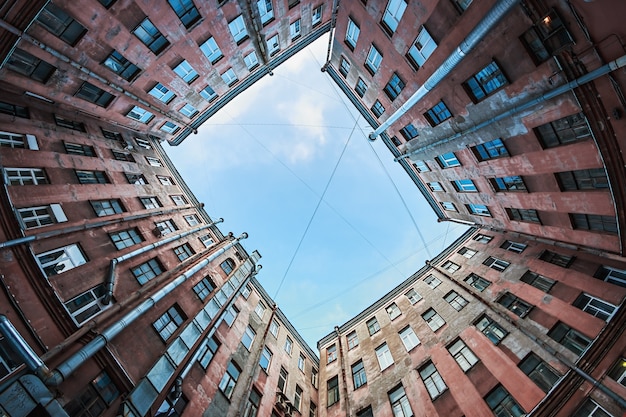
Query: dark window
point(167, 324)
point(477, 282)
point(523, 215)
point(112, 135)
point(491, 329)
point(490, 150)
point(360, 87)
point(538, 281)
point(137, 179)
point(367, 412)
point(332, 386)
point(518, 306)
point(186, 12)
point(438, 114)
point(121, 66)
point(30, 66)
point(107, 207)
point(94, 95)
point(569, 129)
point(228, 266)
point(395, 141)
point(69, 124)
point(394, 86)
point(594, 222)
point(78, 149)
point(584, 179)
point(483, 238)
point(556, 258)
point(184, 251)
point(595, 306)
point(569, 338)
point(495, 263)
point(547, 37)
point(503, 404)
point(126, 238)
point(485, 82)
point(94, 399)
point(513, 183)
point(150, 36)
point(513, 246)
point(122, 156)
point(409, 132)
point(107, 3)
point(611, 275)
point(344, 67)
point(147, 270)
point(378, 108)
point(590, 408)
point(539, 372)
point(618, 372)
point(204, 287)
point(61, 24)
point(14, 110)
point(91, 177)
point(358, 375)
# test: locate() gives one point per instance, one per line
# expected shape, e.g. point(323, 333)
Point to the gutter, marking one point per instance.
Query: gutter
point(482, 29)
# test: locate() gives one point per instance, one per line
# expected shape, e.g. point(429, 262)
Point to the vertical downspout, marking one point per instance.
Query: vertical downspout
point(342, 365)
point(333, 22)
point(482, 29)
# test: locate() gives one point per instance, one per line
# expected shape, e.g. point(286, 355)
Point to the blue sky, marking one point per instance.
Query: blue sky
point(264, 161)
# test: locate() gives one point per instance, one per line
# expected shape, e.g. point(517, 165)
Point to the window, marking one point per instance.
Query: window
point(331, 354)
point(485, 82)
point(448, 160)
point(160, 92)
point(421, 166)
point(358, 375)
point(186, 12)
point(332, 388)
point(30, 66)
point(139, 114)
point(478, 209)
point(151, 37)
point(60, 24)
point(409, 132)
point(435, 186)
point(203, 288)
point(383, 354)
point(282, 379)
point(228, 266)
point(266, 12)
point(260, 309)
point(539, 372)
point(434, 320)
point(150, 202)
point(584, 179)
point(288, 345)
point(497, 264)
point(69, 124)
point(112, 135)
point(523, 215)
point(301, 362)
point(437, 114)
point(455, 300)
point(611, 275)
point(248, 337)
point(229, 77)
point(413, 296)
point(409, 338)
point(378, 109)
point(227, 384)
point(422, 48)
point(451, 267)
point(491, 329)
point(490, 150)
point(432, 281)
point(591, 409)
point(186, 72)
point(595, 306)
point(32, 217)
point(316, 16)
point(147, 271)
point(477, 282)
point(563, 261)
point(393, 14)
point(374, 58)
point(107, 207)
point(121, 66)
point(61, 260)
point(93, 94)
point(399, 403)
point(165, 180)
point(394, 87)
point(211, 50)
point(179, 200)
point(97, 396)
point(594, 222)
point(266, 358)
point(344, 67)
point(14, 110)
point(618, 372)
point(467, 252)
point(513, 183)
point(432, 380)
point(352, 34)
point(465, 186)
point(78, 149)
point(538, 281)
point(373, 326)
point(274, 327)
point(183, 252)
point(297, 399)
point(567, 130)
point(295, 29)
point(126, 238)
point(547, 37)
point(167, 324)
point(192, 220)
point(360, 87)
point(394, 311)
point(513, 246)
point(230, 314)
point(208, 349)
point(166, 227)
point(366, 412)
point(462, 355)
point(251, 61)
point(238, 29)
point(188, 110)
point(515, 304)
point(503, 404)
point(142, 143)
point(25, 176)
point(245, 293)
point(448, 206)
point(169, 127)
point(87, 305)
point(314, 377)
point(353, 340)
point(208, 93)
point(483, 238)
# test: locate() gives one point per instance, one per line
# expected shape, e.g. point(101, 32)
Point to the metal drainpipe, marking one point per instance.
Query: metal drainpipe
point(21, 348)
point(23, 35)
point(65, 369)
point(19, 37)
point(482, 29)
point(346, 402)
point(258, 37)
point(538, 339)
point(333, 22)
point(459, 221)
point(110, 278)
point(599, 72)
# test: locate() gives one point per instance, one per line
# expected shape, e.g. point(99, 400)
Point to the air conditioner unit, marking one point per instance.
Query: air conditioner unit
point(158, 231)
point(281, 401)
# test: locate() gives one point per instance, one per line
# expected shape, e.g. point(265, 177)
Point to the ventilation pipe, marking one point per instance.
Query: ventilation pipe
point(599, 72)
point(491, 19)
point(65, 369)
point(110, 279)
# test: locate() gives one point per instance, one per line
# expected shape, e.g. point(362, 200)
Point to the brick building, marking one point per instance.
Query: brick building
point(497, 323)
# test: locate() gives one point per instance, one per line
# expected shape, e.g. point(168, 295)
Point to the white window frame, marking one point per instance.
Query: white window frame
point(260, 309)
point(451, 267)
point(497, 264)
point(456, 300)
point(288, 345)
point(185, 71)
point(25, 176)
point(266, 10)
point(211, 50)
point(188, 110)
point(413, 296)
point(155, 162)
point(463, 355)
point(422, 48)
point(513, 246)
point(434, 320)
point(162, 93)
point(274, 327)
point(238, 29)
point(595, 305)
point(409, 338)
point(467, 252)
point(166, 227)
point(229, 77)
point(169, 127)
point(205, 94)
point(432, 281)
point(251, 60)
point(316, 15)
point(374, 59)
point(435, 186)
point(16, 140)
point(70, 256)
point(139, 114)
point(192, 219)
point(394, 311)
point(164, 180)
point(40, 216)
point(465, 186)
point(273, 44)
point(434, 383)
point(179, 200)
point(248, 334)
point(385, 359)
point(400, 405)
point(295, 29)
point(393, 14)
point(352, 33)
